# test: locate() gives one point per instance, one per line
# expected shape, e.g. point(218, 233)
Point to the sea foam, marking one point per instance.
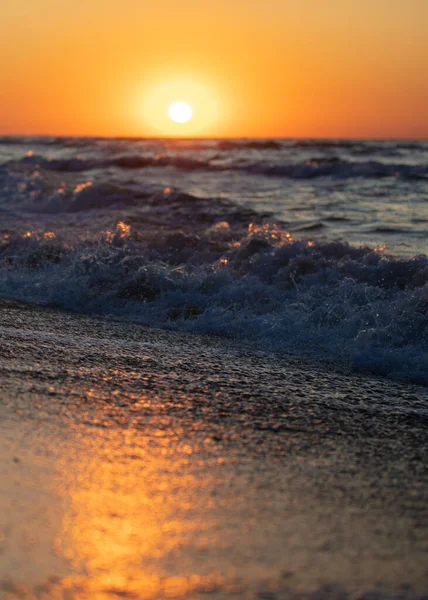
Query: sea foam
point(353, 306)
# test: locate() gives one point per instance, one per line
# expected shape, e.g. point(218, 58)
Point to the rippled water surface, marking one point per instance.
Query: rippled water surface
point(372, 193)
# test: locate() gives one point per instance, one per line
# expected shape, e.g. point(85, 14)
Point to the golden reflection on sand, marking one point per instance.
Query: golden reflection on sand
point(135, 512)
point(161, 507)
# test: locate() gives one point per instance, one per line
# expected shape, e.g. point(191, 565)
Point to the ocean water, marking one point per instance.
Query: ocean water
point(308, 248)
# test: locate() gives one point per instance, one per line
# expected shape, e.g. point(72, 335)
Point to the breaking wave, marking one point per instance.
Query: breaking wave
point(354, 306)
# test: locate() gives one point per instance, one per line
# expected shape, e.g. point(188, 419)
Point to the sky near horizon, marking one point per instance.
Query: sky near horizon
point(284, 68)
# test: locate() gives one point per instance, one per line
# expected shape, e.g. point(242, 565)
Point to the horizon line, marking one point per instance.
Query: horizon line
point(191, 138)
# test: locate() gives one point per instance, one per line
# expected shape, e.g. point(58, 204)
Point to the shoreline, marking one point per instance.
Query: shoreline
point(146, 463)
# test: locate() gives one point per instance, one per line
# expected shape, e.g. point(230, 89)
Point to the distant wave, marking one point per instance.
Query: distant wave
point(312, 168)
point(338, 168)
point(79, 142)
point(326, 300)
point(357, 147)
point(249, 145)
point(158, 206)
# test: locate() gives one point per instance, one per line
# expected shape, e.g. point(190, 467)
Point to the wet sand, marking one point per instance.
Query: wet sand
point(139, 463)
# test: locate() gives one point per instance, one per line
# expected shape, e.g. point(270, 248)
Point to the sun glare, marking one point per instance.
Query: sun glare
point(180, 112)
point(179, 107)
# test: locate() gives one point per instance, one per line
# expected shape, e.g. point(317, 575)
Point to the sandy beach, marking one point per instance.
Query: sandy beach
point(140, 463)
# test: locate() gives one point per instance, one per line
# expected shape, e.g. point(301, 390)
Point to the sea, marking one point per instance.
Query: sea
point(315, 249)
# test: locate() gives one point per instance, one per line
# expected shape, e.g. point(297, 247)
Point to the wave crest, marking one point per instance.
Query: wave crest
point(351, 305)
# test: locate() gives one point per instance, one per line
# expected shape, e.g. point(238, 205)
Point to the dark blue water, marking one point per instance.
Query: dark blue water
point(315, 248)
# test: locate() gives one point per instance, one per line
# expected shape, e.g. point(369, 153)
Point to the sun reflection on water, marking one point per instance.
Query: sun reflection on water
point(272, 232)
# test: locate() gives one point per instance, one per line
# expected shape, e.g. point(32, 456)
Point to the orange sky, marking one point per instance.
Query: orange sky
point(312, 68)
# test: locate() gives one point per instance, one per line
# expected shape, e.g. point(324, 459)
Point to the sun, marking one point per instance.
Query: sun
point(180, 112)
point(178, 106)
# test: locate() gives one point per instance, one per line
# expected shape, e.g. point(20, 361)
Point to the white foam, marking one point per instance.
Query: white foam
point(329, 301)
